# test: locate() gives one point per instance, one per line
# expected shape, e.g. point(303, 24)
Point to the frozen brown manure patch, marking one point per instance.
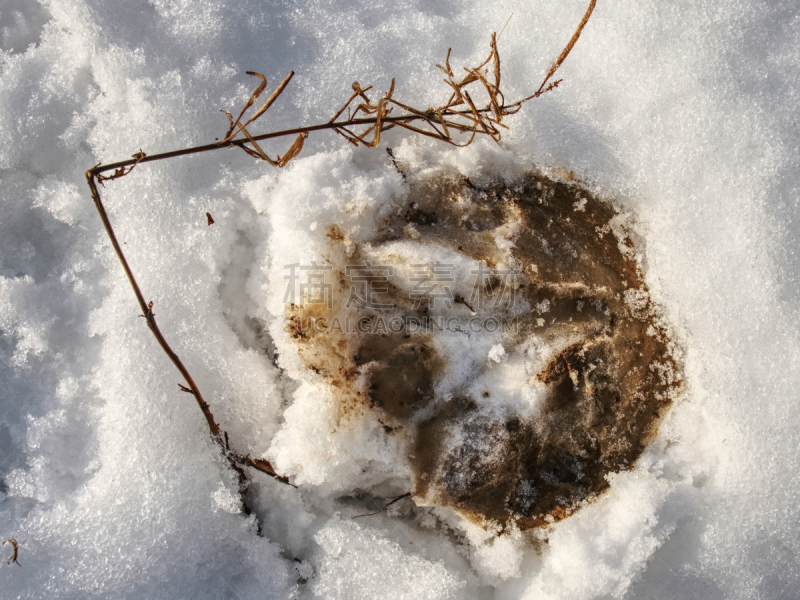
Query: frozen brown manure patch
point(512, 424)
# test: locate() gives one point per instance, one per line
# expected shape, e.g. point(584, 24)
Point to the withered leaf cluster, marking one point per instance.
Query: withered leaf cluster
point(367, 118)
point(237, 126)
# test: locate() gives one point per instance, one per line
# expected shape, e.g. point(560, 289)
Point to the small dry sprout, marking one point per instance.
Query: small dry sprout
point(366, 120)
point(15, 547)
point(385, 506)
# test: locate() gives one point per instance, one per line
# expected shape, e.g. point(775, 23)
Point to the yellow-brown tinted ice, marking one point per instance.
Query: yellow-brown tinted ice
point(605, 389)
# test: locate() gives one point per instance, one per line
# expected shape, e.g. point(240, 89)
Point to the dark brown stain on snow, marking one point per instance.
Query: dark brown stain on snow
point(605, 392)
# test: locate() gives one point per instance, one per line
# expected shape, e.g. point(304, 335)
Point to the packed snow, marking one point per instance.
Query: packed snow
point(681, 114)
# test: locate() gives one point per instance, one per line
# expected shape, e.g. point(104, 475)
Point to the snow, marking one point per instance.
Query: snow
point(358, 561)
point(683, 113)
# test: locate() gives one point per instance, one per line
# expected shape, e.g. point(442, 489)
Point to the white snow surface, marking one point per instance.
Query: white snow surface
point(683, 112)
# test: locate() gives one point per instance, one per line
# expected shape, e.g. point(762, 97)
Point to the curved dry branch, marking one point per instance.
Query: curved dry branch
point(441, 123)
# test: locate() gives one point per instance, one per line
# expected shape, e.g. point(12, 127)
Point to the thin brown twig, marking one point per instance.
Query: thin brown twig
point(504, 26)
point(149, 315)
point(240, 143)
point(253, 97)
point(259, 152)
point(565, 52)
point(272, 98)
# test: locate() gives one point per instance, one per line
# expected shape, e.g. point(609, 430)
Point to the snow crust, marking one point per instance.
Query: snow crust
point(682, 113)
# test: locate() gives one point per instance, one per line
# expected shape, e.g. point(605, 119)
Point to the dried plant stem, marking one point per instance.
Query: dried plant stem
point(459, 114)
point(239, 143)
point(147, 312)
point(565, 52)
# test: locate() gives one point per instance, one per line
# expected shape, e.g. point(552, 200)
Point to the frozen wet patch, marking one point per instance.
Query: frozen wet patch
point(499, 337)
